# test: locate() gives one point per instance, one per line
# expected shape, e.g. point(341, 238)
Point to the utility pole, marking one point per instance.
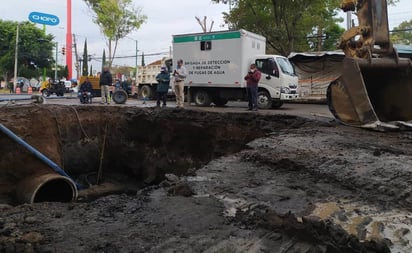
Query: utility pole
point(136, 63)
point(77, 57)
point(16, 54)
point(69, 49)
point(55, 64)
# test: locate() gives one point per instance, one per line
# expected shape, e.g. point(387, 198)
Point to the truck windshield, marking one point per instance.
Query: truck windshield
point(286, 66)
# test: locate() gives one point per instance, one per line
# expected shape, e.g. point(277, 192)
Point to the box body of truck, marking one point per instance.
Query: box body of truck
point(217, 63)
point(146, 77)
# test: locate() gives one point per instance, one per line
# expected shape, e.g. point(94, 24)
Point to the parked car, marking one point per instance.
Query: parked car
point(67, 85)
point(35, 84)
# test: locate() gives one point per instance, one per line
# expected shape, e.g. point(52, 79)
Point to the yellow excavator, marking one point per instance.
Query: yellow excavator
point(375, 88)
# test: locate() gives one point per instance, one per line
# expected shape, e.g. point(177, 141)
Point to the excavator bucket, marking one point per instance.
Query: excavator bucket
point(373, 93)
point(375, 87)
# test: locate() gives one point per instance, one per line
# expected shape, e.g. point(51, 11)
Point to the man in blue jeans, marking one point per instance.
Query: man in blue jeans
point(252, 79)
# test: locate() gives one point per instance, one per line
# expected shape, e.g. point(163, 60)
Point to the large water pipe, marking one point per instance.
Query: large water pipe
point(43, 186)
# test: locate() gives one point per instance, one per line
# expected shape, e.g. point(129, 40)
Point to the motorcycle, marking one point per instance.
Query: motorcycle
point(85, 97)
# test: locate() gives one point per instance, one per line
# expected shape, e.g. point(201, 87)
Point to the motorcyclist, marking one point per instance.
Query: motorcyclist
point(85, 91)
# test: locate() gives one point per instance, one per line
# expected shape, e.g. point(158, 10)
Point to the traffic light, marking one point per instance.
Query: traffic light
point(63, 50)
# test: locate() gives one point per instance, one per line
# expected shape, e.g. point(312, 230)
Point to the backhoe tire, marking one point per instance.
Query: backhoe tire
point(202, 98)
point(120, 97)
point(264, 101)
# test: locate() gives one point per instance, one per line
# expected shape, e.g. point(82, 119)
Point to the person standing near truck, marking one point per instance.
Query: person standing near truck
point(252, 79)
point(179, 75)
point(105, 81)
point(163, 83)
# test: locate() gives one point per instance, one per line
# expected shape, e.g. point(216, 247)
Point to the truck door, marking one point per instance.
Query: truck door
point(270, 75)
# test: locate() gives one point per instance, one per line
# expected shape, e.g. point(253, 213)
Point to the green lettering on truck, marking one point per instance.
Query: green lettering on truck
point(203, 37)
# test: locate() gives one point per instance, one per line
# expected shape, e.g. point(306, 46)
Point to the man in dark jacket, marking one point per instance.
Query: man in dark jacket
point(163, 83)
point(252, 80)
point(85, 91)
point(105, 81)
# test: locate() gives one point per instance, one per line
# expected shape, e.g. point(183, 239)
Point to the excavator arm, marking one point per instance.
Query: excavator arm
point(375, 87)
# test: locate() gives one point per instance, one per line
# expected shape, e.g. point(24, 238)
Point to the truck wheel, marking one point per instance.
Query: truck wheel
point(264, 101)
point(220, 101)
point(119, 97)
point(276, 104)
point(146, 92)
point(202, 98)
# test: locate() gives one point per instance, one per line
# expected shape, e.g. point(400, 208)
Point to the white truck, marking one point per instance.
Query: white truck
point(146, 77)
point(217, 63)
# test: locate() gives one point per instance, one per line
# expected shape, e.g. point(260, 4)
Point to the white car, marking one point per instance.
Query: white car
point(68, 85)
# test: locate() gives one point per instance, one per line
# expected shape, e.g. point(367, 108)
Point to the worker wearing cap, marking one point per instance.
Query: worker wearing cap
point(179, 75)
point(163, 83)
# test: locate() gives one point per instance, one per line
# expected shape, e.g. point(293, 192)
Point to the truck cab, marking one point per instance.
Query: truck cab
point(278, 83)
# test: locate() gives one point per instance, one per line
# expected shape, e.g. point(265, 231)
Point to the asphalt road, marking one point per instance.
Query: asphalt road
point(320, 111)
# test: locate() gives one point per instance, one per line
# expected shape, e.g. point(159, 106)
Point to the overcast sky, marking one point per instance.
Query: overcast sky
point(165, 18)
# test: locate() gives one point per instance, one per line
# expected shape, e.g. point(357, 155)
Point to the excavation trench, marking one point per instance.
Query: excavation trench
point(242, 182)
point(121, 149)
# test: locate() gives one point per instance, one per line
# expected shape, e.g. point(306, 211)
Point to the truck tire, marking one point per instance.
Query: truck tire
point(146, 92)
point(202, 98)
point(119, 97)
point(220, 101)
point(276, 104)
point(264, 101)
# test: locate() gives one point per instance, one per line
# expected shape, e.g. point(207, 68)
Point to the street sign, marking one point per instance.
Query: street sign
point(44, 18)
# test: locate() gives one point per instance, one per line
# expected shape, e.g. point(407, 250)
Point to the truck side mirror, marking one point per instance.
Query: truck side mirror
point(268, 77)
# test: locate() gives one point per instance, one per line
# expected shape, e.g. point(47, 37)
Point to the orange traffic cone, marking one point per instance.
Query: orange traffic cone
point(18, 90)
point(29, 90)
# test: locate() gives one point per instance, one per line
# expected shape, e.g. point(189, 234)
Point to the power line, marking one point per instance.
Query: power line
point(401, 30)
point(133, 56)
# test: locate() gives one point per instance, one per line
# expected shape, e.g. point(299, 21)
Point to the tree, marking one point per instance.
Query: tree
point(64, 72)
point(333, 34)
point(103, 59)
point(288, 25)
point(285, 23)
point(116, 19)
point(402, 34)
point(85, 71)
point(35, 49)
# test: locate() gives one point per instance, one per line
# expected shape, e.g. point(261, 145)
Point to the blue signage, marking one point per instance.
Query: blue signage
point(43, 18)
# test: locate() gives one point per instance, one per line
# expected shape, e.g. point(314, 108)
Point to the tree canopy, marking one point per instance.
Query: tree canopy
point(289, 25)
point(402, 34)
point(286, 24)
point(85, 67)
point(35, 48)
point(116, 19)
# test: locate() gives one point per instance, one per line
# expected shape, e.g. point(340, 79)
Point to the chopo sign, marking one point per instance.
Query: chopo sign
point(43, 18)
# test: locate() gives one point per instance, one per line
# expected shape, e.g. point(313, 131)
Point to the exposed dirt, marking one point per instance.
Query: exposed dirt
point(189, 181)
